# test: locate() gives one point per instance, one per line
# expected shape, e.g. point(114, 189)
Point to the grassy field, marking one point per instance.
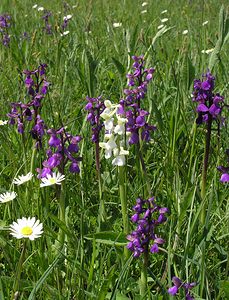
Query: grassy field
point(82, 252)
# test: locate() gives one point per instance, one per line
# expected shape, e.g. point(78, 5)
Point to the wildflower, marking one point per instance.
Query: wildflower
point(144, 11)
point(4, 25)
point(144, 4)
point(207, 51)
point(95, 108)
point(164, 20)
point(35, 6)
point(147, 216)
point(179, 284)
point(48, 27)
point(205, 23)
point(21, 113)
point(65, 33)
point(164, 11)
point(68, 17)
point(3, 122)
point(23, 178)
point(209, 104)
point(130, 106)
point(224, 170)
point(116, 25)
point(26, 228)
point(160, 26)
point(40, 8)
point(52, 179)
point(114, 124)
point(8, 196)
point(63, 149)
point(185, 32)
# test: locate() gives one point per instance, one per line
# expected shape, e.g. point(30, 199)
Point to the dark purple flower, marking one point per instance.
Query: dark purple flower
point(144, 239)
point(54, 141)
point(130, 107)
point(4, 26)
point(224, 170)
point(95, 107)
point(21, 113)
point(209, 104)
point(63, 150)
point(173, 290)
point(178, 284)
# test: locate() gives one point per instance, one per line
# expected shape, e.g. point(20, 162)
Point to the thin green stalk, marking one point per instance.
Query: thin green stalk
point(61, 233)
point(33, 159)
point(143, 278)
point(101, 214)
point(203, 196)
point(122, 193)
point(19, 270)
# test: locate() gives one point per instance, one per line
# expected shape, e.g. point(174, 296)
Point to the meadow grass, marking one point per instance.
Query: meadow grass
point(90, 262)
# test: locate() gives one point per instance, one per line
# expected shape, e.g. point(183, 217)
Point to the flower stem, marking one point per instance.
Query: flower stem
point(61, 234)
point(203, 196)
point(19, 270)
point(205, 165)
point(143, 279)
point(101, 214)
point(122, 194)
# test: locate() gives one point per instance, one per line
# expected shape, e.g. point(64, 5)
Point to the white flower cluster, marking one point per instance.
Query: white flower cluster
point(114, 139)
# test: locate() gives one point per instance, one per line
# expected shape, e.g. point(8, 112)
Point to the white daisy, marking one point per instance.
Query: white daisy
point(40, 8)
point(144, 11)
point(52, 179)
point(65, 33)
point(8, 196)
point(205, 23)
point(22, 179)
point(35, 6)
point(164, 20)
point(26, 228)
point(144, 4)
point(68, 17)
point(160, 26)
point(116, 25)
point(164, 11)
point(207, 51)
point(3, 122)
point(185, 32)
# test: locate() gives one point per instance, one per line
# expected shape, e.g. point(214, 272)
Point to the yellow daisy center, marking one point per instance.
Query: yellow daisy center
point(26, 230)
point(52, 180)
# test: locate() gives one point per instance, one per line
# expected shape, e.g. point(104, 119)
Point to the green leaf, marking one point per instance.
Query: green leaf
point(159, 34)
point(223, 37)
point(224, 288)
point(119, 66)
point(108, 238)
point(107, 281)
point(44, 276)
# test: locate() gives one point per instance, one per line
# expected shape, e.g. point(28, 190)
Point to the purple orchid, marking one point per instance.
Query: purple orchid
point(21, 113)
point(95, 107)
point(147, 216)
point(210, 105)
point(63, 149)
point(138, 81)
point(4, 25)
point(225, 170)
point(179, 284)
point(48, 27)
